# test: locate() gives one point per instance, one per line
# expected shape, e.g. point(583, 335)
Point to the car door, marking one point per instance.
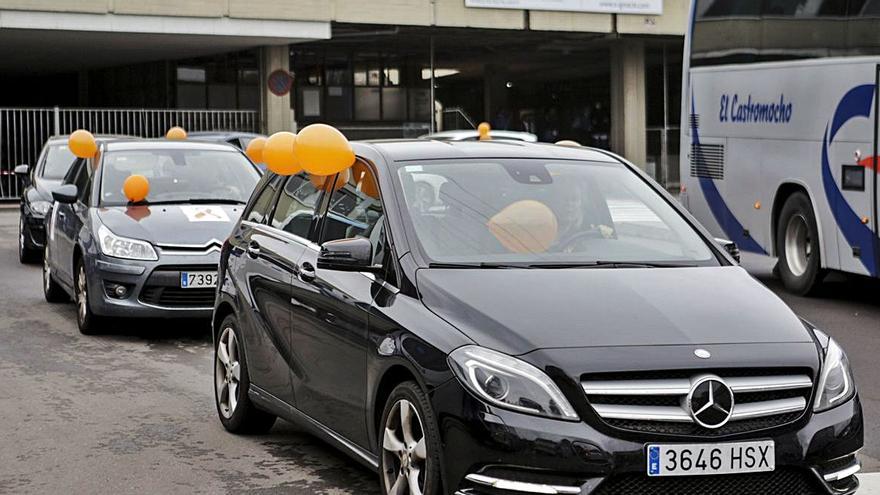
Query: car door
point(261, 263)
point(66, 225)
point(330, 308)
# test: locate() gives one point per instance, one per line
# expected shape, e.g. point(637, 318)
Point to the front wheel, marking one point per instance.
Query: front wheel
point(797, 242)
point(410, 440)
point(86, 320)
point(51, 290)
point(232, 382)
point(26, 253)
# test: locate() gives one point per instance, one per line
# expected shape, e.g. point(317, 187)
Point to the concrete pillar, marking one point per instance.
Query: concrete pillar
point(276, 113)
point(628, 127)
point(494, 90)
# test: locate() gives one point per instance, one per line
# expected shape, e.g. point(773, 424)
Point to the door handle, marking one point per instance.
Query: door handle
point(307, 272)
point(253, 249)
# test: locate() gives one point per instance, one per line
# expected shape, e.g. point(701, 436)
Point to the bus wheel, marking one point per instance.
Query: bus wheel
point(797, 242)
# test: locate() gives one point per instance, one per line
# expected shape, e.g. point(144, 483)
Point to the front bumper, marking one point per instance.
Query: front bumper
point(152, 287)
point(492, 451)
point(34, 231)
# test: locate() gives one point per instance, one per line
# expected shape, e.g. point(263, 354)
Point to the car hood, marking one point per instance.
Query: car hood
point(520, 310)
point(195, 225)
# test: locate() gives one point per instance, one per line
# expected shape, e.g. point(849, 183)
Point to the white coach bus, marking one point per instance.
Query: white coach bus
point(780, 153)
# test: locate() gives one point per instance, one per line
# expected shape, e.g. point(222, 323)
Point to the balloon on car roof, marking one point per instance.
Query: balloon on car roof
point(176, 133)
point(82, 144)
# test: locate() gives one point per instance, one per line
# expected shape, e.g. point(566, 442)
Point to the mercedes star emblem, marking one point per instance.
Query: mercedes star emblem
point(710, 402)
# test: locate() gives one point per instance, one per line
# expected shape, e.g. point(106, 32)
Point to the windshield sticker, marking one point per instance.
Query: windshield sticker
point(204, 213)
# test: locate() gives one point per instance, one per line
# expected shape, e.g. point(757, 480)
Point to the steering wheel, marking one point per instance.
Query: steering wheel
point(573, 239)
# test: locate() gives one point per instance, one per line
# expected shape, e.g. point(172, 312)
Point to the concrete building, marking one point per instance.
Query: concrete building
point(604, 73)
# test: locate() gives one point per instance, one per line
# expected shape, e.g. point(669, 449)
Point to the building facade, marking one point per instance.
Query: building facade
point(604, 73)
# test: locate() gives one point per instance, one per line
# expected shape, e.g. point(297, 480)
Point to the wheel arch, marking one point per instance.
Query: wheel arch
point(783, 192)
point(393, 376)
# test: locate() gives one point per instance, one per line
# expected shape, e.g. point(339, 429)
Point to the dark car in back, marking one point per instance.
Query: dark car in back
point(506, 318)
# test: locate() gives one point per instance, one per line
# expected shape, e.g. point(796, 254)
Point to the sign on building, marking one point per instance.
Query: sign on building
point(644, 7)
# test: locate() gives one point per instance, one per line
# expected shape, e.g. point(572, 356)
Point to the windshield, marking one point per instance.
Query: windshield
point(58, 162)
point(179, 175)
point(554, 212)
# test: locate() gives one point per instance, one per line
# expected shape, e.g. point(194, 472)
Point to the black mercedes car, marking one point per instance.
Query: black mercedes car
point(36, 197)
point(506, 318)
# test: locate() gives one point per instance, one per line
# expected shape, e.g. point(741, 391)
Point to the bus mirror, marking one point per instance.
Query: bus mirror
point(731, 248)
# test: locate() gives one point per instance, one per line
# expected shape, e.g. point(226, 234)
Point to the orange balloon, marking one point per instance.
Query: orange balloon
point(323, 150)
point(176, 133)
point(568, 142)
point(82, 144)
point(254, 149)
point(136, 187)
point(323, 182)
point(484, 129)
point(279, 154)
point(365, 179)
point(525, 226)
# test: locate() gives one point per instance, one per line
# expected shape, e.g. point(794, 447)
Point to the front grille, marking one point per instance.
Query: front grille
point(655, 402)
point(788, 481)
point(175, 297)
point(163, 288)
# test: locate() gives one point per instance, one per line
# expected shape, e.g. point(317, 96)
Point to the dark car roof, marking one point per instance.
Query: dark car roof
point(155, 144)
point(402, 150)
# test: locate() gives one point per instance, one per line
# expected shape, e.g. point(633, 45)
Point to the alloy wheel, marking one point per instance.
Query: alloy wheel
point(798, 245)
point(20, 237)
point(82, 294)
point(404, 450)
point(227, 372)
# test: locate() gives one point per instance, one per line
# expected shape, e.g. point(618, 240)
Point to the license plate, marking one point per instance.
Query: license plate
point(198, 280)
point(711, 458)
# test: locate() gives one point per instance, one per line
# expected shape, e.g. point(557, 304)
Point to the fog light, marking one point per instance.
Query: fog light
point(116, 291)
point(120, 291)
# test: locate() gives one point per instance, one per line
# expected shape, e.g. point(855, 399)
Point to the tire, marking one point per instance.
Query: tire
point(239, 416)
point(88, 322)
point(53, 292)
point(26, 254)
point(797, 242)
point(412, 457)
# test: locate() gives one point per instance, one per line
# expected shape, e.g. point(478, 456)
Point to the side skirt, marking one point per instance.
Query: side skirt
point(270, 403)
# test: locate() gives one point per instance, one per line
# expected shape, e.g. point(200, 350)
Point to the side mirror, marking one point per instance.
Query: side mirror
point(22, 170)
point(348, 255)
point(729, 246)
point(65, 194)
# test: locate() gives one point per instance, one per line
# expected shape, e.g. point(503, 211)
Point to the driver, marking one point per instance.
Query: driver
point(579, 212)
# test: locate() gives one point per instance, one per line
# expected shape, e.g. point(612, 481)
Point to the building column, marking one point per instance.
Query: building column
point(628, 121)
point(276, 113)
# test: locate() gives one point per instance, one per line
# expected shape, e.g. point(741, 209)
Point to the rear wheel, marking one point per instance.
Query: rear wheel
point(410, 442)
point(797, 242)
point(26, 253)
point(232, 382)
point(88, 322)
point(51, 290)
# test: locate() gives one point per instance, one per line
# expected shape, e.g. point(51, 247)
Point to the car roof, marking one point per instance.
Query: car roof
point(220, 134)
point(98, 137)
point(402, 150)
point(164, 144)
point(472, 133)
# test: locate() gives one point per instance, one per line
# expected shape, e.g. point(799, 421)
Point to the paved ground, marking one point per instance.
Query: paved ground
point(132, 411)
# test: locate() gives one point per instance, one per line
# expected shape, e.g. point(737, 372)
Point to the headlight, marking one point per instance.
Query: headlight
point(836, 384)
point(123, 247)
point(40, 207)
point(509, 383)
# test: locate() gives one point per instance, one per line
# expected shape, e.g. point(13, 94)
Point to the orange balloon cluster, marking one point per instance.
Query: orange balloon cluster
point(365, 179)
point(136, 187)
point(82, 144)
point(176, 133)
point(254, 149)
point(319, 149)
point(483, 129)
point(322, 182)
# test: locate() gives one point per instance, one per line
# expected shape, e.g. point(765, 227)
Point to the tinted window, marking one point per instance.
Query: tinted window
point(179, 175)
point(355, 209)
point(58, 162)
point(536, 211)
point(295, 211)
point(261, 204)
point(745, 31)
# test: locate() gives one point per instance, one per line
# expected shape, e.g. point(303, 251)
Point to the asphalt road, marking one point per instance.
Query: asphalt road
point(132, 411)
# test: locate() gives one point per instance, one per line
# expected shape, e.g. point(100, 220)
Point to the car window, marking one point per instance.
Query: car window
point(261, 204)
point(536, 211)
point(295, 211)
point(83, 181)
point(73, 172)
point(57, 162)
point(355, 210)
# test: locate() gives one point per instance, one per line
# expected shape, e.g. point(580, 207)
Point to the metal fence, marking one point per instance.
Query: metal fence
point(23, 131)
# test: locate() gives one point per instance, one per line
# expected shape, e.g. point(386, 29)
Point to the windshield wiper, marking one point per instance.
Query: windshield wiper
point(198, 201)
point(613, 264)
point(478, 265)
